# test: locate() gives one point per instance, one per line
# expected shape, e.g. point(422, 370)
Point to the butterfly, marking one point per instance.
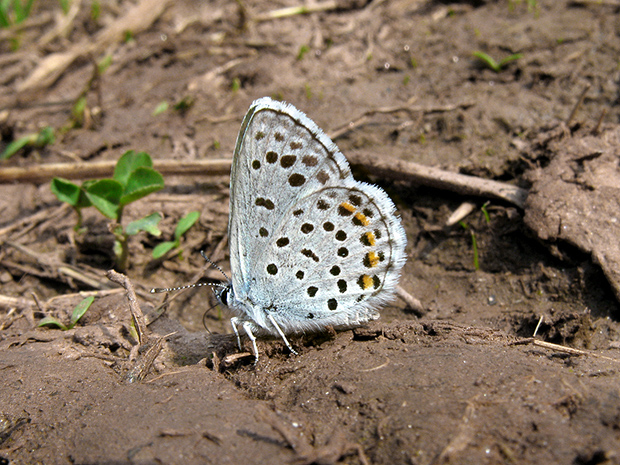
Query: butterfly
point(310, 247)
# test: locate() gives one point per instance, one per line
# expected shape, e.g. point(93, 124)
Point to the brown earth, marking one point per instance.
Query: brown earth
point(462, 382)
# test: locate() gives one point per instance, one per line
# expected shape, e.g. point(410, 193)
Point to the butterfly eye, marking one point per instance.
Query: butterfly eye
point(224, 295)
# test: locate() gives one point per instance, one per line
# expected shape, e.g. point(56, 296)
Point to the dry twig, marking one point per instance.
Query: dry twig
point(136, 311)
point(434, 177)
point(387, 167)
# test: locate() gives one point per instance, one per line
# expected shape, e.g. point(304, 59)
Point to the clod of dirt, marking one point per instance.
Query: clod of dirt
point(576, 197)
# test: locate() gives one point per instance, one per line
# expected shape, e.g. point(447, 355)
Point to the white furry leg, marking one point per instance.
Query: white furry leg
point(247, 326)
point(234, 321)
point(281, 333)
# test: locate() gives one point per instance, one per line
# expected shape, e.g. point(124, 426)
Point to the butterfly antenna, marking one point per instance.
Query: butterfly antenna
point(157, 290)
point(214, 265)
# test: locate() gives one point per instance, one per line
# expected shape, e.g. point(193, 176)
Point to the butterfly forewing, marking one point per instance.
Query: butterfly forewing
point(280, 156)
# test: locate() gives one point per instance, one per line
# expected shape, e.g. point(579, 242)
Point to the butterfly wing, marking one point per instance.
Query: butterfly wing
point(309, 245)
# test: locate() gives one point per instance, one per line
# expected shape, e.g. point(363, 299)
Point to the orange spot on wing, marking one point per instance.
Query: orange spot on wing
point(362, 219)
point(372, 259)
point(347, 206)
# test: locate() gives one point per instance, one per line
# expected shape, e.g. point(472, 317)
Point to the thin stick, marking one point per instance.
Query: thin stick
point(560, 348)
point(538, 325)
point(296, 10)
point(136, 311)
point(44, 173)
point(578, 104)
point(597, 129)
point(440, 179)
point(413, 303)
point(387, 167)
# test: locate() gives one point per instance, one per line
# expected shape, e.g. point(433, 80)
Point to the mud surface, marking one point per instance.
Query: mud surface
point(462, 381)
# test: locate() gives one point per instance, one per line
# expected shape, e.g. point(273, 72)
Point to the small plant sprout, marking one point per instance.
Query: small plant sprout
point(37, 140)
point(160, 108)
point(182, 227)
point(235, 85)
point(474, 243)
point(14, 11)
point(78, 312)
point(485, 212)
point(302, 52)
point(184, 104)
point(496, 66)
point(133, 179)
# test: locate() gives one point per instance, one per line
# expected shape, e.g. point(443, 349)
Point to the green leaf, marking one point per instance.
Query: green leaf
point(487, 60)
point(51, 321)
point(21, 11)
point(185, 223)
point(494, 65)
point(68, 192)
point(45, 137)
point(148, 223)
point(128, 163)
point(65, 5)
point(78, 111)
point(105, 195)
point(15, 146)
point(5, 20)
point(184, 104)
point(38, 139)
point(302, 51)
point(160, 108)
point(162, 249)
point(104, 64)
point(510, 58)
point(80, 309)
point(142, 181)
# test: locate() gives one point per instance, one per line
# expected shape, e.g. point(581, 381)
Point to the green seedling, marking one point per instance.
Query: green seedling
point(36, 140)
point(474, 244)
point(182, 227)
point(302, 52)
point(65, 5)
point(95, 10)
point(160, 108)
point(184, 104)
point(496, 66)
point(78, 112)
point(235, 85)
point(14, 11)
point(133, 179)
point(78, 312)
point(104, 64)
point(485, 212)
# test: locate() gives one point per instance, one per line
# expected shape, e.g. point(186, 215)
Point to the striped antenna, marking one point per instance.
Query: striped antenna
point(158, 290)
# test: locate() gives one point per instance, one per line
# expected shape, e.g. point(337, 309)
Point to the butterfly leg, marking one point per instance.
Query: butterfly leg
point(234, 321)
point(247, 326)
point(281, 333)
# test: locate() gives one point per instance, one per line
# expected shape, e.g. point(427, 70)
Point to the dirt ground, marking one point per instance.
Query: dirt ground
point(461, 381)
